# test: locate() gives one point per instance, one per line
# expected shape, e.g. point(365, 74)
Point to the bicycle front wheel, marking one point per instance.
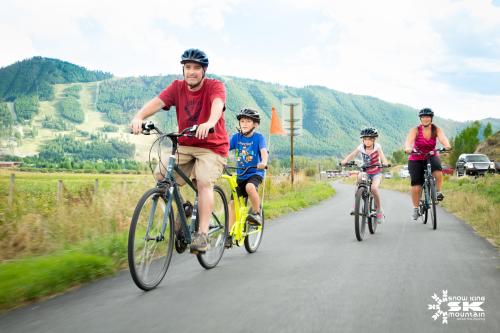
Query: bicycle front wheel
point(150, 240)
point(433, 203)
point(360, 213)
point(254, 235)
point(423, 205)
point(217, 231)
point(372, 220)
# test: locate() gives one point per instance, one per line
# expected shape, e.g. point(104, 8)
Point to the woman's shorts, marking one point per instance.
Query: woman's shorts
point(417, 169)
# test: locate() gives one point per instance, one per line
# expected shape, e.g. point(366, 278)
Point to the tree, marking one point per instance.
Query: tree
point(465, 142)
point(399, 157)
point(488, 131)
point(6, 121)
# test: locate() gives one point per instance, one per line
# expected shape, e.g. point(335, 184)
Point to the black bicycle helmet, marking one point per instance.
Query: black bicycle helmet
point(249, 113)
point(368, 132)
point(195, 55)
point(426, 112)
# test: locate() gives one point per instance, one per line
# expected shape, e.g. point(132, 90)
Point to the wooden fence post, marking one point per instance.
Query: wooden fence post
point(96, 186)
point(11, 189)
point(59, 190)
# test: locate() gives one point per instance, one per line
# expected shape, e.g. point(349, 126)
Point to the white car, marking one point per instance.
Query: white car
point(404, 173)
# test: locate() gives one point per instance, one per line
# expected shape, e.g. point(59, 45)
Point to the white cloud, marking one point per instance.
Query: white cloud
point(394, 50)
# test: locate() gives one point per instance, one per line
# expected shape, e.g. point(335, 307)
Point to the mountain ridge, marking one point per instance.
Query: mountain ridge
point(331, 119)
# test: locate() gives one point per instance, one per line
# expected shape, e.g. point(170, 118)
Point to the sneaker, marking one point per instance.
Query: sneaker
point(254, 218)
point(439, 196)
point(380, 217)
point(415, 214)
point(229, 242)
point(199, 243)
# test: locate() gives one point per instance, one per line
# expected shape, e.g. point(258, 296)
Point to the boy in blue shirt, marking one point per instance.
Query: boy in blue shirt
point(251, 150)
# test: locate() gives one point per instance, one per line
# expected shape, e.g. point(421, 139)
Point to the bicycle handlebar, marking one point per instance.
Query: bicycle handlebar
point(431, 153)
point(238, 168)
point(365, 166)
point(148, 126)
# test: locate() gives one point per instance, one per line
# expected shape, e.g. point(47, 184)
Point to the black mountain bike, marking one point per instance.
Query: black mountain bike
point(160, 220)
point(428, 196)
point(364, 203)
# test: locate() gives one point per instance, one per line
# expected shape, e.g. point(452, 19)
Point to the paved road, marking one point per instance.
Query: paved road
point(310, 275)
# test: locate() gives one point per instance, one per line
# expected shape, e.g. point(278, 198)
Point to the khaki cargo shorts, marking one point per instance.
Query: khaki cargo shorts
point(197, 163)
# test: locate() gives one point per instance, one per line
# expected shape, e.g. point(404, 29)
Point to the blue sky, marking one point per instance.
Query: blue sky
point(444, 54)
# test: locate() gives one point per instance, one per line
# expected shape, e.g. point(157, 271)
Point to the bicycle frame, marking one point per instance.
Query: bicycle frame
point(174, 194)
point(238, 231)
point(426, 186)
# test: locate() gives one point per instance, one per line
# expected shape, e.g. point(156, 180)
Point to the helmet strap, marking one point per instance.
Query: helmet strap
point(245, 133)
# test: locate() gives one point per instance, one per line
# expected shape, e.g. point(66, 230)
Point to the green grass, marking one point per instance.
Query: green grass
point(301, 197)
point(476, 201)
point(32, 278)
point(95, 247)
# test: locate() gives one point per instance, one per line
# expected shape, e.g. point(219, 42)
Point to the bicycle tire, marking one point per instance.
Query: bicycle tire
point(360, 208)
point(217, 231)
point(253, 239)
point(372, 220)
point(433, 203)
point(424, 211)
point(149, 254)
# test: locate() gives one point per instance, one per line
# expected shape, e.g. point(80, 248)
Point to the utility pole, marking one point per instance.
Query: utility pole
point(292, 120)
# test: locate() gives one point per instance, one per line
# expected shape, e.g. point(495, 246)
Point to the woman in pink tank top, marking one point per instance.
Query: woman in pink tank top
point(423, 138)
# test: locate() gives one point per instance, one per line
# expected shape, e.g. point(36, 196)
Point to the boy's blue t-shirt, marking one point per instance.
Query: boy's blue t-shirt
point(248, 153)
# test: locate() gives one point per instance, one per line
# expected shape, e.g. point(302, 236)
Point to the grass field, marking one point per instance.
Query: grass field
point(476, 201)
point(48, 246)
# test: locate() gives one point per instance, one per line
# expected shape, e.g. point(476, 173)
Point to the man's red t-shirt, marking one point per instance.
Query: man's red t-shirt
point(193, 108)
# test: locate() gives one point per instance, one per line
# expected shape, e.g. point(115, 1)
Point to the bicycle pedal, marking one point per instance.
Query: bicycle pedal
point(196, 251)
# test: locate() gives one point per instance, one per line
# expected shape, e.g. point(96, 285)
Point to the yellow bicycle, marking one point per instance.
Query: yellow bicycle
point(242, 232)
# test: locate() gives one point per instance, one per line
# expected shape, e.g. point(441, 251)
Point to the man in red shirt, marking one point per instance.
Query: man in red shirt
point(198, 100)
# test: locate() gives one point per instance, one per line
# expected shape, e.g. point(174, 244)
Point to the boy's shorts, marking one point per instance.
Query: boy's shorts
point(256, 180)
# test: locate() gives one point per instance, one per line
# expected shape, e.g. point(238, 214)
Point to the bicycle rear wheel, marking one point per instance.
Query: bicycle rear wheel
point(254, 235)
point(150, 240)
point(360, 213)
point(217, 231)
point(372, 220)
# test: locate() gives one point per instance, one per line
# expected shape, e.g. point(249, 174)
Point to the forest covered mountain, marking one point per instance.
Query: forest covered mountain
point(36, 76)
point(44, 98)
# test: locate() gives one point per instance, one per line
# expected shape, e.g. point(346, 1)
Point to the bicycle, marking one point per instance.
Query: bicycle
point(161, 217)
point(428, 195)
point(243, 232)
point(364, 204)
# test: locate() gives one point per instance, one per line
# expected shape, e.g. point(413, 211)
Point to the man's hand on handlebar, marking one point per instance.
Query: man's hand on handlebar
point(136, 126)
point(203, 130)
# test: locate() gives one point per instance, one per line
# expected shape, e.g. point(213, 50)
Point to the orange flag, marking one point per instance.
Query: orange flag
point(276, 124)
